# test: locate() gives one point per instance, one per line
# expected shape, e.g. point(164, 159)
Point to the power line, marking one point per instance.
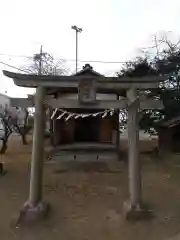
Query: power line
point(93, 61)
point(6, 64)
point(13, 67)
point(17, 56)
point(69, 60)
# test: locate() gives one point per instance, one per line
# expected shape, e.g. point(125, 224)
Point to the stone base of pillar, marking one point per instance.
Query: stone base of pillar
point(33, 213)
point(138, 212)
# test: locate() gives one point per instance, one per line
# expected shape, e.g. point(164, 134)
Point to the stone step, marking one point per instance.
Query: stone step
point(83, 156)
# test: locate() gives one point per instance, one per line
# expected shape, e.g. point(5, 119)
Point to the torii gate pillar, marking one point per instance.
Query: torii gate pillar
point(134, 208)
point(35, 207)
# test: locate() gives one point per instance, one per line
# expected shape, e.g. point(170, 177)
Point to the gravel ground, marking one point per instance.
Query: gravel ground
point(87, 202)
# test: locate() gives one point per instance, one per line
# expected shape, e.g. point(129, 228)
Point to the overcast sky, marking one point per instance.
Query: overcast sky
point(113, 30)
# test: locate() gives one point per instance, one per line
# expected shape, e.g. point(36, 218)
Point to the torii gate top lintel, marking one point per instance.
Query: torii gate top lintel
point(102, 83)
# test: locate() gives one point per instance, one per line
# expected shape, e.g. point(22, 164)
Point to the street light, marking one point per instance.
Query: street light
point(78, 30)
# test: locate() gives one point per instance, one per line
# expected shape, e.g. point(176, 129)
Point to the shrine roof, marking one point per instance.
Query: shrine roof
point(88, 70)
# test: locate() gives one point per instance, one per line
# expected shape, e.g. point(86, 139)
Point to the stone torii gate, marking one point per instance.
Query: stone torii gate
point(35, 207)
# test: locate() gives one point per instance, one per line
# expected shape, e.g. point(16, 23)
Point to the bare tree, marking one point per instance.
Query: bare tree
point(163, 43)
point(16, 121)
point(51, 66)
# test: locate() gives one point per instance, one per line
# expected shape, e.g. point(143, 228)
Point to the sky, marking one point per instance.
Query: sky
point(113, 31)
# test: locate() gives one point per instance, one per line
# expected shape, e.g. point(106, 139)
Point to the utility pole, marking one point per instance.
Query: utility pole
point(40, 61)
point(78, 30)
point(156, 45)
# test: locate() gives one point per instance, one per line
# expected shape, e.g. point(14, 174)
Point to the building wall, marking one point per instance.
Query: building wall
point(165, 140)
point(4, 100)
point(21, 102)
point(169, 139)
point(106, 130)
point(69, 129)
point(4, 103)
point(65, 132)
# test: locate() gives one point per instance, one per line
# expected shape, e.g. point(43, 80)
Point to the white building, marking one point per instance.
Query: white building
point(5, 101)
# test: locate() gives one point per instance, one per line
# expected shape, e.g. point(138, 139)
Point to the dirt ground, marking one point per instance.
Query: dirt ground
point(88, 204)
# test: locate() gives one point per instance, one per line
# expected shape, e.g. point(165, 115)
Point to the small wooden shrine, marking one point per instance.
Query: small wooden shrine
point(87, 122)
point(51, 92)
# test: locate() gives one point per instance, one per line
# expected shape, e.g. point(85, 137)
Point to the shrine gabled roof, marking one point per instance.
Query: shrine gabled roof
point(88, 71)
